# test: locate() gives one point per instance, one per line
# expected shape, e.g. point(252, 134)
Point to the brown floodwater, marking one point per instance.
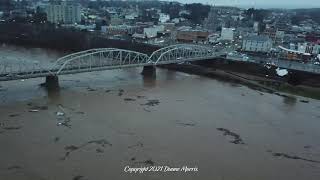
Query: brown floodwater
point(100, 123)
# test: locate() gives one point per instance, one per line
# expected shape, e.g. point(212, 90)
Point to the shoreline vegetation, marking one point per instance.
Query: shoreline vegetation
point(72, 40)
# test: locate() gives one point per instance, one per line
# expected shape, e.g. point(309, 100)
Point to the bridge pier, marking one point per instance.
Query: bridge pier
point(52, 82)
point(149, 71)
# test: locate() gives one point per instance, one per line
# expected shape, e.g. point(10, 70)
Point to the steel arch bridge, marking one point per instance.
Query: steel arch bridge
point(105, 58)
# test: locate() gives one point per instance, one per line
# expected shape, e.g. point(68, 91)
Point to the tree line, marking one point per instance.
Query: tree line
point(64, 39)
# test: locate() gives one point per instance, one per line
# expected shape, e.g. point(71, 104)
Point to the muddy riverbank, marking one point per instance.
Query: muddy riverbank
point(254, 76)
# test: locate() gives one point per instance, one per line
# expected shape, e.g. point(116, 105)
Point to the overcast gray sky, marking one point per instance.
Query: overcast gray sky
point(260, 3)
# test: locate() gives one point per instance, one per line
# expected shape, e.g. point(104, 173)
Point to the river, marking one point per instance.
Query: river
point(100, 124)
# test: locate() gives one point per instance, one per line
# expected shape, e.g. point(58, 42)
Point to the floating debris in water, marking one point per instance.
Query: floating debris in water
point(56, 139)
point(15, 167)
point(139, 97)
point(99, 150)
point(59, 113)
point(120, 93)
point(66, 123)
point(12, 128)
point(147, 110)
point(237, 138)
point(101, 142)
point(77, 177)
point(72, 148)
point(139, 144)
point(149, 162)
point(284, 155)
point(40, 107)
point(37, 108)
point(63, 120)
point(186, 124)
point(129, 99)
point(14, 115)
point(152, 102)
point(61, 108)
point(34, 110)
point(91, 89)
point(304, 101)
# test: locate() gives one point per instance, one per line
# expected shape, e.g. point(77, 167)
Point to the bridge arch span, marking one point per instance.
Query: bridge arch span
point(180, 53)
point(99, 59)
point(65, 58)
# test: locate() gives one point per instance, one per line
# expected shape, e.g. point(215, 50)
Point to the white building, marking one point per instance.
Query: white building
point(257, 44)
point(292, 46)
point(152, 32)
point(308, 48)
point(256, 26)
point(119, 30)
point(64, 12)
point(227, 34)
point(164, 17)
point(131, 16)
point(302, 47)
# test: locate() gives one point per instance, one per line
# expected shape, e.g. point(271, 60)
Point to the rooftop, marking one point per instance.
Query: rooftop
point(257, 38)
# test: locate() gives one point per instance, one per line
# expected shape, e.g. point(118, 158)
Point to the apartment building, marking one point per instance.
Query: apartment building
point(63, 12)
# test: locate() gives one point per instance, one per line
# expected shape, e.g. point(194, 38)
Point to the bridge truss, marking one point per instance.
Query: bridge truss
point(105, 58)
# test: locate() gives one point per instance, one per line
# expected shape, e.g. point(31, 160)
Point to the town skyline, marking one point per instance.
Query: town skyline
point(294, 4)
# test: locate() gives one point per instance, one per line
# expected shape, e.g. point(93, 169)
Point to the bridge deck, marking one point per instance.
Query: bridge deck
point(111, 58)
